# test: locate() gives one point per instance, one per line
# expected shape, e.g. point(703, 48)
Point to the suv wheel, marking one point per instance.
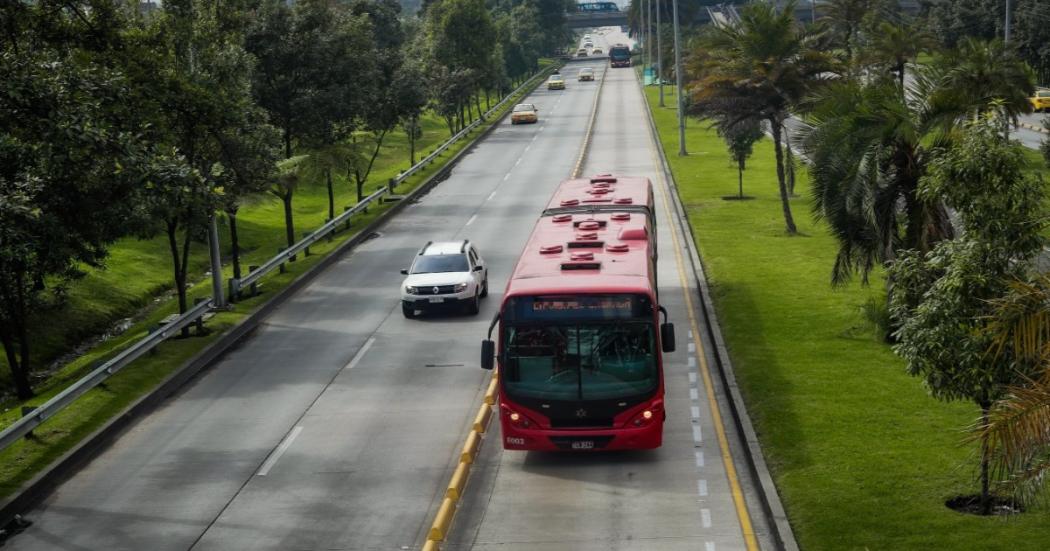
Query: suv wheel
point(408, 310)
point(474, 306)
point(485, 287)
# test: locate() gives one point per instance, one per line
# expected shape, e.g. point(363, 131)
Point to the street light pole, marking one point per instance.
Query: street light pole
point(1006, 29)
point(678, 82)
point(659, 54)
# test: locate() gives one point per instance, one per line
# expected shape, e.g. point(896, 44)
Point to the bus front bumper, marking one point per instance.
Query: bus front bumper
point(634, 438)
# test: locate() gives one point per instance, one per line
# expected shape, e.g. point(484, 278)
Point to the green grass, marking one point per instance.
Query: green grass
point(862, 456)
point(138, 270)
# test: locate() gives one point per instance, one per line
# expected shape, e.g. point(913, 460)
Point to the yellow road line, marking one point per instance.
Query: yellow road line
point(716, 416)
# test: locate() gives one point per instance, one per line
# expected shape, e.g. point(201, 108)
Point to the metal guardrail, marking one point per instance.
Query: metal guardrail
point(43, 412)
point(38, 415)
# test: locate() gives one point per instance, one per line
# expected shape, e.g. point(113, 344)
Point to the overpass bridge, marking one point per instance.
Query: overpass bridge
point(596, 14)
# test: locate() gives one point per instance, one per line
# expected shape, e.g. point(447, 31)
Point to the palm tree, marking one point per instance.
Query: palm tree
point(762, 67)
point(870, 144)
point(844, 17)
point(1017, 431)
point(894, 45)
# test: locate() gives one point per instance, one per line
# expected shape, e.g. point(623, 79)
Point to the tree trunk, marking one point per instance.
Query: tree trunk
point(412, 140)
point(235, 246)
point(790, 161)
point(986, 496)
point(900, 74)
point(477, 103)
point(331, 193)
point(18, 368)
point(488, 93)
point(177, 264)
point(740, 178)
point(777, 130)
point(289, 225)
point(17, 327)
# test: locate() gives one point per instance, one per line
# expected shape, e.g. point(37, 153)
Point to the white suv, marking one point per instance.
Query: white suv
point(449, 273)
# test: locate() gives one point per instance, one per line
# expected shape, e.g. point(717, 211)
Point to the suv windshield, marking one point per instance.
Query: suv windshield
point(592, 361)
point(524, 107)
point(431, 264)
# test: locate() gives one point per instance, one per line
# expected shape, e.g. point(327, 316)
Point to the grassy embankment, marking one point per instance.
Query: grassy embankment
point(138, 274)
point(862, 456)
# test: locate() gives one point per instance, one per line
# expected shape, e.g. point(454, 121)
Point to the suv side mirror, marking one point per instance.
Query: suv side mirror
point(404, 271)
point(478, 268)
point(667, 336)
point(488, 354)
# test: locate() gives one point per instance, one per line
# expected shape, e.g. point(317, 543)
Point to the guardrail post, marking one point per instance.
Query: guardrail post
point(26, 411)
point(281, 265)
point(254, 287)
point(306, 251)
point(199, 322)
point(235, 289)
point(391, 184)
point(348, 217)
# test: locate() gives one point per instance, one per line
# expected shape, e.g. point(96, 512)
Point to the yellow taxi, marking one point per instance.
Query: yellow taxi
point(1041, 100)
point(555, 82)
point(524, 113)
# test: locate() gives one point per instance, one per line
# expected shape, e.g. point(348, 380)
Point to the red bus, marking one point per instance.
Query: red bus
point(580, 343)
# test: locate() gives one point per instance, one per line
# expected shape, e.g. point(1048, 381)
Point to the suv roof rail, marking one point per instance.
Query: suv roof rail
point(463, 249)
point(424, 249)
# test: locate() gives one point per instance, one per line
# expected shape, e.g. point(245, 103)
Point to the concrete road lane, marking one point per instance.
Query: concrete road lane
point(678, 497)
point(336, 424)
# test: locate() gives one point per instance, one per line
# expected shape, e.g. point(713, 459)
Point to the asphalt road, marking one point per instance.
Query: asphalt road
point(337, 424)
point(677, 497)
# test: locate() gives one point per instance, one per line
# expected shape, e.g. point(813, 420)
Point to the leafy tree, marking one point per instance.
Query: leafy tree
point(979, 72)
point(68, 181)
point(740, 138)
point(307, 74)
point(764, 66)
point(952, 20)
point(943, 299)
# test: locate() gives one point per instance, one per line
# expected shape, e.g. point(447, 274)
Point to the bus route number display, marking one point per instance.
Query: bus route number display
point(580, 307)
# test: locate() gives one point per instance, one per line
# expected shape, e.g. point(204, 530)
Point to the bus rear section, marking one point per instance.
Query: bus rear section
point(580, 342)
point(620, 56)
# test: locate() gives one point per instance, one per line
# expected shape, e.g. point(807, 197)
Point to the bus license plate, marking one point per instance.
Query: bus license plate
point(436, 300)
point(583, 445)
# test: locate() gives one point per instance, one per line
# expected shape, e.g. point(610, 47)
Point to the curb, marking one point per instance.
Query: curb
point(586, 146)
point(1033, 128)
point(784, 536)
point(40, 486)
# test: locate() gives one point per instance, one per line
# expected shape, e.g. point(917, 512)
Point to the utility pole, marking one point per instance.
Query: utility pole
point(678, 83)
point(1006, 29)
point(659, 54)
point(812, 11)
point(648, 51)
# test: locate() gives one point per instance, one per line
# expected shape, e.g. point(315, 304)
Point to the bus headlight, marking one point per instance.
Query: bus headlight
point(517, 419)
point(645, 418)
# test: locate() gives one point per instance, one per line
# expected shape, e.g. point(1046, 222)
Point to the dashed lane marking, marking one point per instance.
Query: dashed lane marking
point(472, 219)
point(277, 453)
point(705, 517)
point(700, 460)
point(701, 487)
point(360, 353)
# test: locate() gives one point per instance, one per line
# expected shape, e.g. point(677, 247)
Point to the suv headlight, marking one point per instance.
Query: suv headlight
point(411, 290)
point(460, 287)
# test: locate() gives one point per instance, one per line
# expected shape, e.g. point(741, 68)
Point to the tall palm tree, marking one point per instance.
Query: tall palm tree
point(894, 45)
point(985, 71)
point(762, 67)
point(1017, 431)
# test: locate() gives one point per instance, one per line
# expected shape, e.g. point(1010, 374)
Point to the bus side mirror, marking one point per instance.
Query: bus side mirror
point(488, 354)
point(667, 336)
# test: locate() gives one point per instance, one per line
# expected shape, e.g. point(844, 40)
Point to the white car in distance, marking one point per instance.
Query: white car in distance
point(445, 274)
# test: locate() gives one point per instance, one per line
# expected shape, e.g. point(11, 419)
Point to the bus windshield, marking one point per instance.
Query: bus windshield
point(619, 53)
point(580, 361)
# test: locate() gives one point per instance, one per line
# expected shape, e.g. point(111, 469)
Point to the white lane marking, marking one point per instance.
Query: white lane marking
point(472, 219)
point(701, 487)
point(527, 148)
point(709, 546)
point(698, 436)
point(693, 394)
point(696, 413)
point(491, 195)
point(692, 362)
point(281, 448)
point(692, 348)
point(505, 178)
point(518, 162)
point(705, 516)
point(360, 353)
point(692, 378)
point(700, 460)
